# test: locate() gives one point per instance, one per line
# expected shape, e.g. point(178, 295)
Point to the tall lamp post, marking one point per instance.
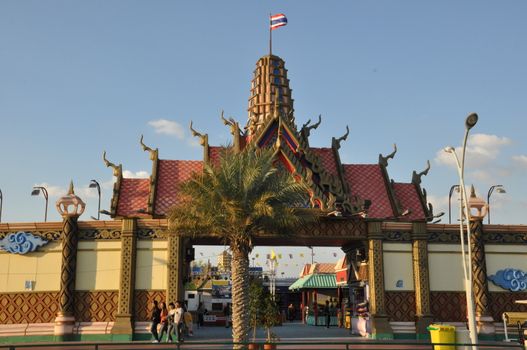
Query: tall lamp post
point(36, 191)
point(471, 120)
point(499, 189)
point(454, 187)
point(1, 203)
point(95, 184)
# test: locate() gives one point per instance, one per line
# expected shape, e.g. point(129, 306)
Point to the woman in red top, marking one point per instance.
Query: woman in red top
point(164, 319)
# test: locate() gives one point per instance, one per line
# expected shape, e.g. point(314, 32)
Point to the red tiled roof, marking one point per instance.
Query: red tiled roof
point(324, 268)
point(305, 270)
point(215, 155)
point(367, 182)
point(171, 173)
point(409, 199)
point(327, 159)
point(133, 196)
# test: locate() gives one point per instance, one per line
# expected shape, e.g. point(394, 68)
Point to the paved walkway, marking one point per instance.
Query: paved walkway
point(295, 332)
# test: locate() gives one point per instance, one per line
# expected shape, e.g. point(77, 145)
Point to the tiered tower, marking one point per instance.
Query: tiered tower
point(269, 87)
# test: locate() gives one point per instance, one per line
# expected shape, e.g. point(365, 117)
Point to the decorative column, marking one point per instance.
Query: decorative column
point(380, 327)
point(123, 328)
point(175, 266)
point(70, 207)
point(484, 320)
point(421, 280)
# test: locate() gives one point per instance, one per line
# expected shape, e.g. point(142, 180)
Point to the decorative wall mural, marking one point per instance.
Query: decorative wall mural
point(21, 242)
point(512, 279)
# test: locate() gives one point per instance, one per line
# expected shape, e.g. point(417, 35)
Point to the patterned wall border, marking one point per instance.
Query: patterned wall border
point(40, 307)
point(500, 302)
point(448, 306)
point(398, 236)
point(400, 306)
point(96, 306)
point(143, 303)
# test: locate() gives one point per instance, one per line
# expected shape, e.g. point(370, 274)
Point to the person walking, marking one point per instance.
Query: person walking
point(291, 312)
point(178, 321)
point(226, 314)
point(155, 319)
point(327, 313)
point(187, 317)
point(163, 320)
point(201, 315)
point(170, 320)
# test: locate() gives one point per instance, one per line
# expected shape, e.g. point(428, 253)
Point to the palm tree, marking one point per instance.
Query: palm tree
point(245, 195)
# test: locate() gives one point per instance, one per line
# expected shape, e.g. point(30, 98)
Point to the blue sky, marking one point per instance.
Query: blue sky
point(80, 77)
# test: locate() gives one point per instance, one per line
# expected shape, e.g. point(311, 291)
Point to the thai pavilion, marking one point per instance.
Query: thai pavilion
point(96, 279)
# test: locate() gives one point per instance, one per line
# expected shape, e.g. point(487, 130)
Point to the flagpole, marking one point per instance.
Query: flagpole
point(270, 36)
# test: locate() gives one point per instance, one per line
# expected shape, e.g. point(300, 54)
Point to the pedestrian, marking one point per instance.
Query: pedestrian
point(155, 319)
point(178, 321)
point(163, 320)
point(327, 313)
point(226, 314)
point(291, 312)
point(187, 317)
point(201, 315)
point(170, 319)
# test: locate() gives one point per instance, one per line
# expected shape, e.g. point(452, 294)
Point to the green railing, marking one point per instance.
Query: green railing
point(195, 345)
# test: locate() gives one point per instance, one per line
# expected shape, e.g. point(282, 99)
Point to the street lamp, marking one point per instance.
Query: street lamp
point(36, 191)
point(454, 187)
point(471, 120)
point(95, 184)
point(499, 189)
point(312, 253)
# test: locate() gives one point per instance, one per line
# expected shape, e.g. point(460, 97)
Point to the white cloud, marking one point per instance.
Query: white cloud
point(481, 149)
point(440, 203)
point(141, 174)
point(167, 127)
point(520, 160)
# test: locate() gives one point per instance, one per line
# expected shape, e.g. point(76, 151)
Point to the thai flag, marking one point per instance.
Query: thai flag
point(278, 20)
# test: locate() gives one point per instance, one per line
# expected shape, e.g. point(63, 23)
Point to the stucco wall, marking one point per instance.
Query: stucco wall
point(499, 257)
point(98, 265)
point(151, 265)
point(398, 266)
point(445, 267)
point(42, 266)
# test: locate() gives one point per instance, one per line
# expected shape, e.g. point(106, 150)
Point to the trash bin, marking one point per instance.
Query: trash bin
point(443, 334)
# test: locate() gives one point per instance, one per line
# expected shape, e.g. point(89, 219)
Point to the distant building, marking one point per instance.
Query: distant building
point(224, 262)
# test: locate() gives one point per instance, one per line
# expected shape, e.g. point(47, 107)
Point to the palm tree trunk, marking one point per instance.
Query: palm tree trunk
point(240, 294)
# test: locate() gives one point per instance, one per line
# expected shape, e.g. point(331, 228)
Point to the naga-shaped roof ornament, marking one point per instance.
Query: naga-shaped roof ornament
point(335, 143)
point(233, 124)
point(203, 140)
point(384, 160)
point(153, 153)
point(306, 128)
point(416, 177)
point(117, 169)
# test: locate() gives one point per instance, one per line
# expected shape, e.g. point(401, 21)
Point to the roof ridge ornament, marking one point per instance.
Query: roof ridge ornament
point(306, 128)
point(383, 160)
point(416, 177)
point(235, 126)
point(117, 169)
point(152, 152)
point(202, 137)
point(336, 142)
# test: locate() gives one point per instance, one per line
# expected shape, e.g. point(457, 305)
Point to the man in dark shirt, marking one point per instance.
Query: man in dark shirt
point(227, 314)
point(156, 318)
